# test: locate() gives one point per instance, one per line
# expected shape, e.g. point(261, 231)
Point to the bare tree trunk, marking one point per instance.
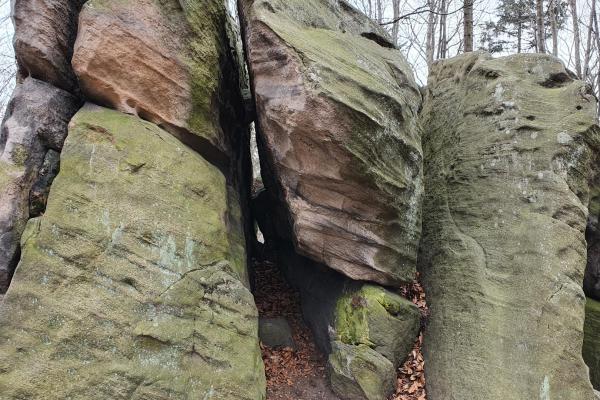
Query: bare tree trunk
point(597, 37)
point(396, 25)
point(468, 25)
point(443, 32)
point(519, 36)
point(576, 37)
point(588, 47)
point(552, 11)
point(379, 11)
point(430, 39)
point(539, 26)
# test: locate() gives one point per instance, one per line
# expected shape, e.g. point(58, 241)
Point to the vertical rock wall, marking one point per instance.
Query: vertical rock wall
point(35, 124)
point(134, 283)
point(509, 146)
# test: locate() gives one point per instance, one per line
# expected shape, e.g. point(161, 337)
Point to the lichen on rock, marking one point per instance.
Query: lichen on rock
point(503, 250)
point(132, 281)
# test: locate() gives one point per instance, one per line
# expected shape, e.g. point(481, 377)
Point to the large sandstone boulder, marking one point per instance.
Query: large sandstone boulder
point(366, 330)
point(33, 131)
point(507, 161)
point(166, 62)
point(133, 284)
point(591, 342)
point(340, 145)
point(45, 31)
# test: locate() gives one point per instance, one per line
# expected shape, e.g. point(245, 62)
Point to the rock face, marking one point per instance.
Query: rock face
point(45, 31)
point(591, 342)
point(338, 135)
point(163, 61)
point(503, 248)
point(366, 330)
point(33, 131)
point(133, 282)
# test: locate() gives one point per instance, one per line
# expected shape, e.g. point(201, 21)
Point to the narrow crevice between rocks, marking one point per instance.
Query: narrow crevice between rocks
point(295, 368)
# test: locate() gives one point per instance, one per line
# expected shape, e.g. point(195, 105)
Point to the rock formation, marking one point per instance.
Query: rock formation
point(366, 330)
point(165, 67)
point(45, 31)
point(134, 281)
point(338, 135)
point(123, 284)
point(130, 218)
point(35, 123)
point(503, 248)
point(33, 131)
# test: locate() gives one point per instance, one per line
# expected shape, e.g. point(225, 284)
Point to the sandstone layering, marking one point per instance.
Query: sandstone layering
point(126, 221)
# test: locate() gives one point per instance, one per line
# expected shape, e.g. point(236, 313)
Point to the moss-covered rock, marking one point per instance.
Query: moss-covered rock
point(359, 373)
point(337, 128)
point(133, 284)
point(591, 340)
point(508, 146)
point(378, 318)
point(351, 320)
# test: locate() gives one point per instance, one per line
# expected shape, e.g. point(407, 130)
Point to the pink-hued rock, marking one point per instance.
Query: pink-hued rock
point(336, 120)
point(160, 61)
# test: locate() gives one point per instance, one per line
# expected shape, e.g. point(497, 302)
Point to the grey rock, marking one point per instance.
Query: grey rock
point(45, 31)
point(35, 122)
point(359, 373)
point(509, 149)
point(275, 333)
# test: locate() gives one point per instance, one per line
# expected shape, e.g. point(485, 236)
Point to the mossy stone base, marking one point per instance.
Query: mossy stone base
point(132, 285)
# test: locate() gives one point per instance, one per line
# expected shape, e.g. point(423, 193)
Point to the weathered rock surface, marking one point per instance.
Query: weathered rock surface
point(133, 283)
point(338, 135)
point(366, 330)
point(163, 61)
point(591, 342)
point(33, 130)
point(508, 147)
point(45, 31)
point(359, 372)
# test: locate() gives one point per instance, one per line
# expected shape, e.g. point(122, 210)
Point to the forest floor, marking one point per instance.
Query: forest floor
point(301, 373)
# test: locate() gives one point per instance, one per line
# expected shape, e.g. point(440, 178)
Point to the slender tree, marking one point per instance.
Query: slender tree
point(468, 25)
point(552, 11)
point(576, 37)
point(539, 26)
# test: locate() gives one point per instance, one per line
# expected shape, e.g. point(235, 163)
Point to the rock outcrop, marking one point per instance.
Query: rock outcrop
point(33, 131)
point(508, 146)
point(591, 342)
point(366, 330)
point(45, 31)
point(132, 283)
point(338, 135)
point(168, 66)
